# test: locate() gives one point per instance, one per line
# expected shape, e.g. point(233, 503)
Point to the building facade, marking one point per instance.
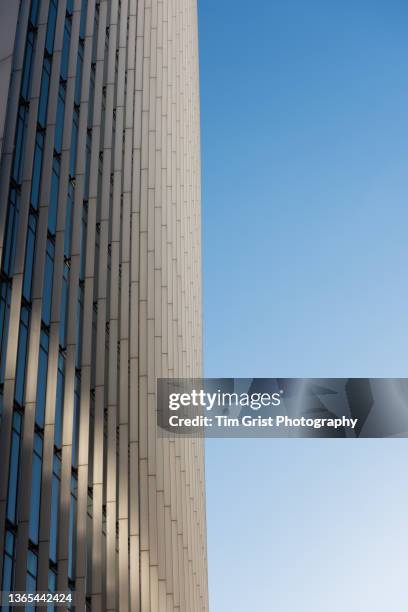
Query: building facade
point(100, 295)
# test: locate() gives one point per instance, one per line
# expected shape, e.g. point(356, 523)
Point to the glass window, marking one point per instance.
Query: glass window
point(84, 226)
point(78, 75)
point(64, 306)
point(87, 164)
point(14, 467)
point(94, 317)
point(37, 170)
point(31, 585)
point(27, 66)
point(75, 431)
point(80, 317)
point(74, 142)
point(35, 489)
point(29, 256)
point(91, 96)
point(55, 492)
point(47, 289)
point(53, 207)
point(68, 220)
point(42, 379)
point(8, 563)
point(82, 27)
point(71, 533)
point(20, 138)
point(22, 356)
point(65, 48)
point(59, 404)
point(52, 20)
point(52, 581)
point(5, 296)
point(10, 239)
point(44, 91)
point(91, 441)
point(34, 11)
point(59, 122)
point(95, 38)
point(52, 587)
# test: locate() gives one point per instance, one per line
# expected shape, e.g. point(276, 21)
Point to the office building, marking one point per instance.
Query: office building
point(100, 295)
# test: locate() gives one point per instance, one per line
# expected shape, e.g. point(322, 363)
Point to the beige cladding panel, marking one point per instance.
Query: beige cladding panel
point(137, 501)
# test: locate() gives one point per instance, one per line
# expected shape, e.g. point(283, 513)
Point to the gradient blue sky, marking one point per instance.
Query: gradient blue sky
point(305, 217)
point(305, 160)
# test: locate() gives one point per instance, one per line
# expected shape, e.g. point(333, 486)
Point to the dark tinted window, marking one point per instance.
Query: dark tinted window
point(64, 306)
point(65, 49)
point(53, 206)
point(74, 142)
point(29, 257)
point(20, 138)
point(42, 379)
point(47, 289)
point(5, 295)
point(51, 23)
point(14, 467)
point(68, 220)
point(37, 170)
point(59, 124)
point(35, 489)
point(10, 239)
point(8, 562)
point(55, 492)
point(27, 66)
point(44, 91)
point(32, 566)
point(22, 355)
point(59, 404)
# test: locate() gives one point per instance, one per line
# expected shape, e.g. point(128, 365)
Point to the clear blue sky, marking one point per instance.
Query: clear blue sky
point(305, 217)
